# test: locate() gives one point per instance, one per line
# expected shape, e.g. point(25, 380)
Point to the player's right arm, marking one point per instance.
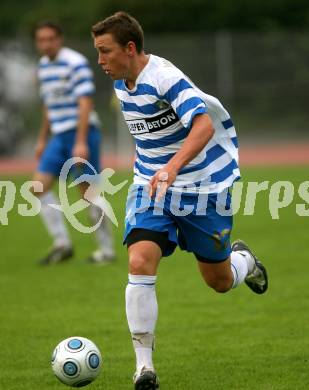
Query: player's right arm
point(180, 93)
point(43, 134)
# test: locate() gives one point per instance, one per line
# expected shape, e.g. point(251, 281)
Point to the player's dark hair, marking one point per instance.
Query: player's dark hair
point(48, 24)
point(124, 29)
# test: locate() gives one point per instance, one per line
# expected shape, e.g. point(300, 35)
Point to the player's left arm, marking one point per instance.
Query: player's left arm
point(83, 89)
point(201, 132)
point(85, 106)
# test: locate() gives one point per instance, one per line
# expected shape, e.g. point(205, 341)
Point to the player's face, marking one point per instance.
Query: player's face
point(48, 42)
point(113, 58)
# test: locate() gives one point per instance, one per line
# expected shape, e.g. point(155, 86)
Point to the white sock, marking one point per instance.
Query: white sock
point(239, 267)
point(142, 314)
point(53, 220)
point(104, 233)
point(249, 259)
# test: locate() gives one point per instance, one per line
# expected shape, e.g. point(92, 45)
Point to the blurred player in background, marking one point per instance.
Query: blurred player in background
point(187, 156)
point(70, 128)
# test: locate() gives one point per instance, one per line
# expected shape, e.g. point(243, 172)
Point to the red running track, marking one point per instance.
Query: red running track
point(258, 156)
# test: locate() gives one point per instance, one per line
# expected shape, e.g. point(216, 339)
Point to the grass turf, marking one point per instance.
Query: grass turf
point(234, 341)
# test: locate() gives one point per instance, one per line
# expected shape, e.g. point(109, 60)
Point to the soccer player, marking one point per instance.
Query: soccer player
point(70, 128)
point(187, 158)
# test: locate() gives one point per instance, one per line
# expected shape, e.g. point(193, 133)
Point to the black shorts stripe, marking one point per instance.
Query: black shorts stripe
point(210, 261)
point(137, 234)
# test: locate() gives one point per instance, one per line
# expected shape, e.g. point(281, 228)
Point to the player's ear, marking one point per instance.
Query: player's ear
point(131, 48)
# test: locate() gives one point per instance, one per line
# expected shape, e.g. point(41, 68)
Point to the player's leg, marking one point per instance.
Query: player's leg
point(53, 220)
point(242, 265)
point(145, 251)
point(218, 276)
point(150, 233)
point(104, 234)
point(105, 253)
point(208, 236)
point(48, 171)
point(224, 275)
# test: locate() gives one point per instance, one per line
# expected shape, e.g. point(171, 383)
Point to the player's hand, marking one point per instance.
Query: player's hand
point(39, 149)
point(81, 150)
point(161, 181)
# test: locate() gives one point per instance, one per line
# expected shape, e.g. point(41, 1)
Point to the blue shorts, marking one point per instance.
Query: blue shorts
point(59, 150)
point(194, 222)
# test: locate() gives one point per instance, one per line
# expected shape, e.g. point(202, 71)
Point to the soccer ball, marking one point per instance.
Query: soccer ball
point(76, 361)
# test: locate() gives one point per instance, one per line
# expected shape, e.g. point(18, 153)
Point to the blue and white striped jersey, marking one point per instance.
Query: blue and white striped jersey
point(159, 113)
point(62, 81)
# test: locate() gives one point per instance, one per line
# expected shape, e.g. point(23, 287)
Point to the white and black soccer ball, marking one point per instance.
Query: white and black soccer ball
point(76, 361)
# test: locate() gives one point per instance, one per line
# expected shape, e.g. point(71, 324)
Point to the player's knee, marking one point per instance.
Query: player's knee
point(222, 285)
point(138, 264)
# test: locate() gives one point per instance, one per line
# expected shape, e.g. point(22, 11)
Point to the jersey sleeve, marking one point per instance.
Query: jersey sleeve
point(180, 93)
point(38, 81)
point(82, 80)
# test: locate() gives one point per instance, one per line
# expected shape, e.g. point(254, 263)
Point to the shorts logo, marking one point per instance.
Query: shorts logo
point(221, 239)
point(152, 124)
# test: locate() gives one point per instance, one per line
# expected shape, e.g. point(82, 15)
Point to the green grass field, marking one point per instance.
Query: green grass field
point(234, 341)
